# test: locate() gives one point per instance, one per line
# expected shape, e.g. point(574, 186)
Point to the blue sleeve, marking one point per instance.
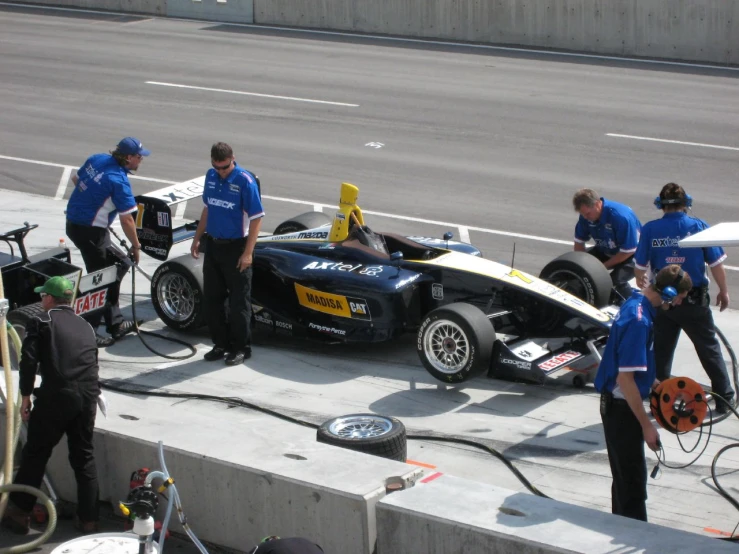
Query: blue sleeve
point(582, 230)
point(641, 258)
point(632, 350)
point(250, 198)
point(121, 195)
point(627, 234)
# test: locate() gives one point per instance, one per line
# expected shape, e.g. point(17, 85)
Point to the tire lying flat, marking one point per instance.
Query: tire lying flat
point(368, 433)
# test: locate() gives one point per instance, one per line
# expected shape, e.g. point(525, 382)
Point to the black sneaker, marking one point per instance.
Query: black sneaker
point(238, 356)
point(215, 354)
point(103, 342)
point(724, 407)
point(121, 330)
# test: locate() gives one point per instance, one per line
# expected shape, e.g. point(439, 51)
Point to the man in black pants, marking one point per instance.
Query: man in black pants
point(61, 347)
point(232, 217)
point(625, 378)
point(658, 247)
point(101, 191)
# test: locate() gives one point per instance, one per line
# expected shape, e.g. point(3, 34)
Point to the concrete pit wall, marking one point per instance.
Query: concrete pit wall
point(695, 30)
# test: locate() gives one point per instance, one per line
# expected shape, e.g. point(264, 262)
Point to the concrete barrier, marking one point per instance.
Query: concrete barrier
point(696, 30)
point(234, 11)
point(455, 516)
point(150, 7)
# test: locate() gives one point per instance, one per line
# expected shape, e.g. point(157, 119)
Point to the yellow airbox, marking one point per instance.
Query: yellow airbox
point(347, 208)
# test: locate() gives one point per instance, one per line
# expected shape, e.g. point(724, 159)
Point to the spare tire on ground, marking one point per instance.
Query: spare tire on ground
point(374, 434)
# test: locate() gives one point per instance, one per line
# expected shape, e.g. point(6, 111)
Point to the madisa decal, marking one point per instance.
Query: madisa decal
point(334, 304)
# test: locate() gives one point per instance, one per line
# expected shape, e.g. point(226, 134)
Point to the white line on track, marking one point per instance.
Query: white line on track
point(242, 93)
point(62, 188)
point(490, 47)
point(463, 229)
point(673, 141)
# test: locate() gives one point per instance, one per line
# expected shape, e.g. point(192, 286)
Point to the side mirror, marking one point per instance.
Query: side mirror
point(396, 257)
point(448, 235)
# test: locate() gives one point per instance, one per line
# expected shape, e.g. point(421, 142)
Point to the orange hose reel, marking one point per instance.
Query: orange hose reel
point(679, 404)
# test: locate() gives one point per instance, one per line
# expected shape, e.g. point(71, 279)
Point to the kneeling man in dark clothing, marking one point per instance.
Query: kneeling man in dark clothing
point(625, 377)
point(61, 346)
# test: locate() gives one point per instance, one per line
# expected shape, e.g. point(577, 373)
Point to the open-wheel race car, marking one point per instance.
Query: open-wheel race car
point(334, 278)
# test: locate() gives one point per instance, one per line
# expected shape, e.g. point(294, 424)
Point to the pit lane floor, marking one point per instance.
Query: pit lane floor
point(552, 433)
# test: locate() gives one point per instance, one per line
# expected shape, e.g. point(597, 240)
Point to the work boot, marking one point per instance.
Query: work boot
point(215, 354)
point(103, 342)
point(122, 329)
point(724, 407)
point(16, 520)
point(238, 356)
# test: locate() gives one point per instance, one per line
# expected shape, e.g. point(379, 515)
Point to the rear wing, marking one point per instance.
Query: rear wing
point(154, 221)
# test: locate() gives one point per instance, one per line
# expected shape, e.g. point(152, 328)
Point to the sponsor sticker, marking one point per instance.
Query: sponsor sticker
point(155, 250)
point(518, 364)
point(163, 219)
point(221, 203)
point(559, 360)
point(334, 304)
point(437, 291)
point(90, 301)
point(324, 329)
point(139, 215)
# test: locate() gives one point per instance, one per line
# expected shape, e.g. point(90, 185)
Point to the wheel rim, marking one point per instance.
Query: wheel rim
point(571, 282)
point(176, 297)
point(360, 427)
point(446, 347)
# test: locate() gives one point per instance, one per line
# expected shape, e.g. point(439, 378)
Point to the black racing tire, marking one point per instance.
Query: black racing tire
point(177, 293)
point(455, 342)
point(308, 220)
point(368, 433)
point(20, 317)
point(581, 275)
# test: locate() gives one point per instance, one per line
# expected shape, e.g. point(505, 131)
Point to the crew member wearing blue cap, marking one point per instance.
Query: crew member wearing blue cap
point(624, 379)
point(615, 230)
point(101, 192)
point(658, 247)
point(231, 217)
point(60, 346)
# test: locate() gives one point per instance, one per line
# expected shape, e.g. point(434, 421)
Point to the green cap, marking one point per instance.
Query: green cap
point(58, 287)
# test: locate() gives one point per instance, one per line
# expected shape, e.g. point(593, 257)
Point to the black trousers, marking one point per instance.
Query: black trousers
point(223, 281)
point(93, 243)
point(53, 416)
point(625, 444)
point(696, 319)
point(621, 274)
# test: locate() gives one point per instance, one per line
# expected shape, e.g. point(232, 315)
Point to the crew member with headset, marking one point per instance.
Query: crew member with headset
point(658, 247)
point(101, 192)
point(614, 228)
point(625, 377)
point(232, 217)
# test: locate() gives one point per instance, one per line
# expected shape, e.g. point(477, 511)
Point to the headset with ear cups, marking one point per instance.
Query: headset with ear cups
point(660, 202)
point(669, 293)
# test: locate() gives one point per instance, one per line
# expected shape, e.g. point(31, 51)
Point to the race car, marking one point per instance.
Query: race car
point(334, 278)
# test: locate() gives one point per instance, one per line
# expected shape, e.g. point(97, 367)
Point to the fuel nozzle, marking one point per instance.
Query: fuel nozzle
point(140, 506)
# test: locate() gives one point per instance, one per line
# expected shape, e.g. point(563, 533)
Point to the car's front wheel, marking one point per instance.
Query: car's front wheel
point(455, 342)
point(177, 296)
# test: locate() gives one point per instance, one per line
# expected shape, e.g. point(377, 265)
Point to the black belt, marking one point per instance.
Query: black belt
point(698, 296)
point(226, 241)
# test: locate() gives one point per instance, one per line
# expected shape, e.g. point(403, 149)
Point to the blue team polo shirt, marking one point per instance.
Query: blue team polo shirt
point(630, 347)
point(658, 247)
point(616, 231)
point(102, 192)
point(232, 203)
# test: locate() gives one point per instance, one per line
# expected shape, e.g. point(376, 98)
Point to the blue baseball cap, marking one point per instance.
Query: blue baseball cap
point(131, 146)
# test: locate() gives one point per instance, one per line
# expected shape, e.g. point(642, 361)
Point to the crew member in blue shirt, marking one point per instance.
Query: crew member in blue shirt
point(658, 247)
point(625, 377)
point(615, 230)
point(101, 192)
point(231, 219)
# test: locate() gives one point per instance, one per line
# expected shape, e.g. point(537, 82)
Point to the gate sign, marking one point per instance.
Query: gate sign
point(90, 301)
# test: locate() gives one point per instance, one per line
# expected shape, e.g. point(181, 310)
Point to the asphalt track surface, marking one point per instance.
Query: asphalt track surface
point(480, 139)
point(492, 140)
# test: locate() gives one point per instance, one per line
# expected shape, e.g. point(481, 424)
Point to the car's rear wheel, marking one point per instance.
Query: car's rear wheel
point(582, 275)
point(308, 220)
point(455, 342)
point(177, 296)
point(369, 433)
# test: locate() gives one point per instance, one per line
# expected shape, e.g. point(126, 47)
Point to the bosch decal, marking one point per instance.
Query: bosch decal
point(91, 301)
point(559, 360)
